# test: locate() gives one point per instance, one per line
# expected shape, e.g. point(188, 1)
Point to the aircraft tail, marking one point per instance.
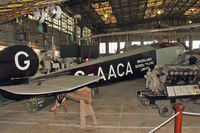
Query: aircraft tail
point(18, 61)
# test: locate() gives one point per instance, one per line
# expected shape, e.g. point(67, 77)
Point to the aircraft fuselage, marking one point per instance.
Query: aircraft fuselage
point(130, 66)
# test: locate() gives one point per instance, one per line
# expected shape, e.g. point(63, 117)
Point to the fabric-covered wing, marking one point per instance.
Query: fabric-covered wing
point(52, 85)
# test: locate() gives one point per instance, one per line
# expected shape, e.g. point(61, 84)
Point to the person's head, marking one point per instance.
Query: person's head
point(54, 58)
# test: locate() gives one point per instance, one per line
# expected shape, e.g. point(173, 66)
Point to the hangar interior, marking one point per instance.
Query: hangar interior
point(84, 18)
point(89, 30)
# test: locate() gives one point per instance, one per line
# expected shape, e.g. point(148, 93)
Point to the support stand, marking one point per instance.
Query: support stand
point(86, 110)
point(83, 96)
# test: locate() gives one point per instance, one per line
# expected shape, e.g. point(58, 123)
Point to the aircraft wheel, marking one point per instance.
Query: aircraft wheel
point(165, 110)
point(144, 101)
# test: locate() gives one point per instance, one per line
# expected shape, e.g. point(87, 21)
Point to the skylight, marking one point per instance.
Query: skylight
point(104, 10)
point(152, 8)
point(192, 11)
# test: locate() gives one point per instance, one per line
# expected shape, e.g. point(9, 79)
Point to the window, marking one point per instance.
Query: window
point(187, 43)
point(56, 24)
point(70, 25)
point(148, 42)
point(65, 23)
point(86, 32)
point(102, 48)
point(155, 41)
point(196, 44)
point(136, 43)
point(19, 20)
point(112, 47)
point(173, 41)
point(31, 17)
point(57, 53)
point(78, 32)
point(122, 46)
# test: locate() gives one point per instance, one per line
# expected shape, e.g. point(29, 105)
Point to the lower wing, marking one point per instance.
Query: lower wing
point(53, 85)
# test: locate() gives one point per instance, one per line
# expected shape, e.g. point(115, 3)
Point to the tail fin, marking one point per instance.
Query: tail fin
point(18, 61)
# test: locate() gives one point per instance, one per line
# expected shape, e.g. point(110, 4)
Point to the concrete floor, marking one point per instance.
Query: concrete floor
point(116, 108)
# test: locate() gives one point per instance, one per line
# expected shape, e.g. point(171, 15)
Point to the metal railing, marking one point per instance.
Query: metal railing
point(178, 119)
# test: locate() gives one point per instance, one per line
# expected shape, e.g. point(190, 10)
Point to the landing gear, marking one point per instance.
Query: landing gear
point(165, 110)
point(144, 101)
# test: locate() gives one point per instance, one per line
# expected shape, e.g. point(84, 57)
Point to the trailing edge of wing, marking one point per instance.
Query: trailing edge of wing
point(52, 85)
point(142, 31)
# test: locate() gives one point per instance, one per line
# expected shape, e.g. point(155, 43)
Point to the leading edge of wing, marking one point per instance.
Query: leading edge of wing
point(52, 85)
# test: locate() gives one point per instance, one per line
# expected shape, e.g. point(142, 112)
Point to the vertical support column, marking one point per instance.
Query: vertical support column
point(118, 47)
point(169, 36)
point(174, 36)
point(45, 41)
point(142, 40)
point(107, 48)
point(67, 32)
point(126, 43)
point(53, 47)
point(190, 42)
point(178, 120)
point(153, 38)
point(159, 37)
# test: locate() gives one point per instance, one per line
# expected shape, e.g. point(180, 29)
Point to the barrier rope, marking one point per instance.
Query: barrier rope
point(158, 127)
point(190, 113)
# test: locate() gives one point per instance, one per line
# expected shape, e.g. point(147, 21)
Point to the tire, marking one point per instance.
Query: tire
point(165, 110)
point(145, 102)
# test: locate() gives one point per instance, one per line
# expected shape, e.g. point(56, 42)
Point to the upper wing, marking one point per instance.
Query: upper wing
point(52, 85)
point(142, 31)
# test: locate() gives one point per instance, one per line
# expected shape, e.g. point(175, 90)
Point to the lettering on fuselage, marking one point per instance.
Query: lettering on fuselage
point(121, 69)
point(26, 62)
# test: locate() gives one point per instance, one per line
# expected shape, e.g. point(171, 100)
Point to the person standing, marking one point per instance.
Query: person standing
point(192, 60)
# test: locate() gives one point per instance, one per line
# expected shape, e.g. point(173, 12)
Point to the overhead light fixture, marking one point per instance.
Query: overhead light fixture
point(39, 15)
point(104, 10)
point(160, 12)
point(189, 21)
point(78, 16)
point(54, 11)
